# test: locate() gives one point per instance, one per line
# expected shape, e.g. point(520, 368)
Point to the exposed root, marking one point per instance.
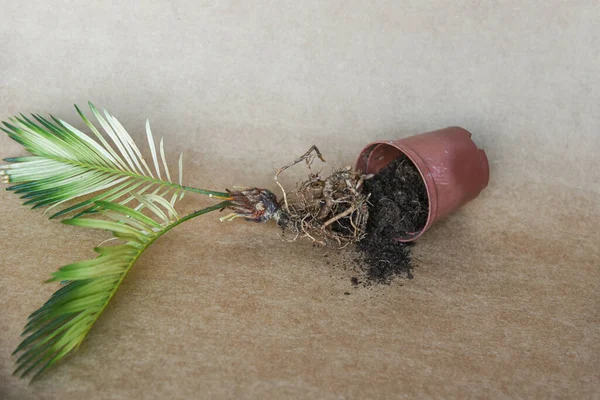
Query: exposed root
point(322, 209)
point(308, 157)
point(325, 209)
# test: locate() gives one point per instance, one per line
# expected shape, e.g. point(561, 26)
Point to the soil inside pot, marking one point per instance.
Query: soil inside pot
point(399, 206)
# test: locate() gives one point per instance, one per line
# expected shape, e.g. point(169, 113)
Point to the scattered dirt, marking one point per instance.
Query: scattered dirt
point(399, 206)
point(349, 207)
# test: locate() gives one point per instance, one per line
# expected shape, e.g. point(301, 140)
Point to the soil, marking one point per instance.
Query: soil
point(398, 207)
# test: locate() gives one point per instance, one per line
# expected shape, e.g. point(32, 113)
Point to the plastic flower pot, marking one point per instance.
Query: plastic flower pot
point(454, 170)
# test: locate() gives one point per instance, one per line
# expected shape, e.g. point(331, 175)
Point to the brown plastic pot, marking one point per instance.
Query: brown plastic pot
point(454, 170)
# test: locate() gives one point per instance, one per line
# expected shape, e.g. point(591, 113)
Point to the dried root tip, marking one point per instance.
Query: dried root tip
point(252, 204)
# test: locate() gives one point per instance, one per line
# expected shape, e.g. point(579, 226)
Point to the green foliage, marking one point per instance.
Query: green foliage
point(61, 324)
point(66, 164)
point(114, 186)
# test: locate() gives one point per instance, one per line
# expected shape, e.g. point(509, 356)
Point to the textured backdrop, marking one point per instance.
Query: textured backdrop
point(506, 297)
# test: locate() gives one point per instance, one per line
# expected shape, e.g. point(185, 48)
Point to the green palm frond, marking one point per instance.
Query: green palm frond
point(62, 323)
point(66, 164)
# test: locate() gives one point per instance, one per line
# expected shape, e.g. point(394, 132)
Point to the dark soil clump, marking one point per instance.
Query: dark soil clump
point(399, 207)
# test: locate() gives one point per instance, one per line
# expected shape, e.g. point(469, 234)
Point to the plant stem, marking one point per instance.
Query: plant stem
point(195, 214)
point(218, 195)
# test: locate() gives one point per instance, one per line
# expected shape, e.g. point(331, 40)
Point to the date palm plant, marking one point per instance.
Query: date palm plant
point(100, 182)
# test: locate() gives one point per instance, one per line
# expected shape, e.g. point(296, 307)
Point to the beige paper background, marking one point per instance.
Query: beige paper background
point(506, 300)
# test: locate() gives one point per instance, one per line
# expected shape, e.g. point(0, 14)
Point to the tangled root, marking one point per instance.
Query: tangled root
point(325, 209)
